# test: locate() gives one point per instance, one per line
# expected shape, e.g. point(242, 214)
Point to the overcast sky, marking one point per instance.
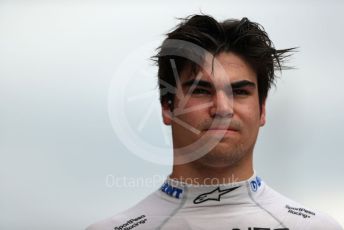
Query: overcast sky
point(79, 106)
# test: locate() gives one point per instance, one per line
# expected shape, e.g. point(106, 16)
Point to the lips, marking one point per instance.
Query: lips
point(225, 126)
point(222, 128)
point(220, 131)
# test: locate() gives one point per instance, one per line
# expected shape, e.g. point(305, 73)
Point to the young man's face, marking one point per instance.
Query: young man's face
point(222, 105)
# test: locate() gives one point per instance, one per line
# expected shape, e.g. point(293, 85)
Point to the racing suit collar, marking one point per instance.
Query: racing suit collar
point(209, 195)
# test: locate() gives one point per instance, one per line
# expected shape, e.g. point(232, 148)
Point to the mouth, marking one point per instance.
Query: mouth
point(223, 127)
point(221, 131)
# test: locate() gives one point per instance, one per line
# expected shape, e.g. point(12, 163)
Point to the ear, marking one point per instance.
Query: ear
point(263, 114)
point(166, 113)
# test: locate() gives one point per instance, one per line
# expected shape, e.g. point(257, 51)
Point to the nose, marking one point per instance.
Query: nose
point(222, 105)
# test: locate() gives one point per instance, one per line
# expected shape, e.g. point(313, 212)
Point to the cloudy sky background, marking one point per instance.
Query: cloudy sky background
point(62, 145)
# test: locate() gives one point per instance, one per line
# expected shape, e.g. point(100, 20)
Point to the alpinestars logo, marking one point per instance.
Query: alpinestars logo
point(213, 195)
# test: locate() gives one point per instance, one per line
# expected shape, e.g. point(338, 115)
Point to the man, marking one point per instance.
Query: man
point(214, 79)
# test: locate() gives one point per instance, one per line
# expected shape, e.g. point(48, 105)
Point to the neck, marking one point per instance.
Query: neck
point(198, 172)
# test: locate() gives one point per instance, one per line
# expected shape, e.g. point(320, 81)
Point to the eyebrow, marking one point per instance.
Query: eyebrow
point(202, 83)
point(207, 84)
point(243, 83)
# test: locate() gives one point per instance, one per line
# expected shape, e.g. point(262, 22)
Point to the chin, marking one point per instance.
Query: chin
point(223, 156)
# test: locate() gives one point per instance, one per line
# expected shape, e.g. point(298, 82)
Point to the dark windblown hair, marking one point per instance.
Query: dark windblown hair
point(242, 37)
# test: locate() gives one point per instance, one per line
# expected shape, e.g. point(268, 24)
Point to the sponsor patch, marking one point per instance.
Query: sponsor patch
point(255, 184)
point(300, 212)
point(132, 223)
point(171, 191)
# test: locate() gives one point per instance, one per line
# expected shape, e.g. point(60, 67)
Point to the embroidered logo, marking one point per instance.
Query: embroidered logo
point(171, 191)
point(213, 195)
point(255, 184)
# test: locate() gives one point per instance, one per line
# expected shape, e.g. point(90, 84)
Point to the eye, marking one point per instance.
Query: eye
point(240, 92)
point(200, 91)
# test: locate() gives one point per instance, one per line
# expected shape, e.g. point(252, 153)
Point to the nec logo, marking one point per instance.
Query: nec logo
point(171, 191)
point(255, 184)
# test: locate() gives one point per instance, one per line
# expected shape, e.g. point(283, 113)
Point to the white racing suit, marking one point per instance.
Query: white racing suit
point(245, 205)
